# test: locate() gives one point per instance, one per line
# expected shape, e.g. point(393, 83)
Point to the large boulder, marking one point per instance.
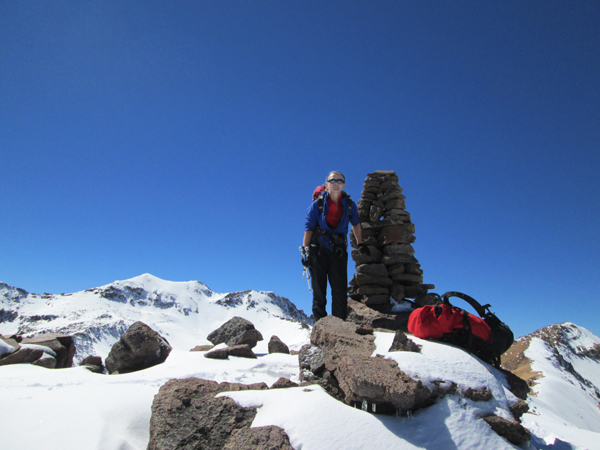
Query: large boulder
point(186, 414)
point(361, 314)
point(236, 331)
point(61, 344)
point(139, 348)
point(352, 374)
point(21, 356)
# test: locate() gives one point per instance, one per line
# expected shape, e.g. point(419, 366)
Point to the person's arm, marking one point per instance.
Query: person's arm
point(357, 230)
point(307, 237)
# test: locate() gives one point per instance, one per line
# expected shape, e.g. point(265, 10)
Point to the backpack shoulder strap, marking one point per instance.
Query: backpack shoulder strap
point(470, 300)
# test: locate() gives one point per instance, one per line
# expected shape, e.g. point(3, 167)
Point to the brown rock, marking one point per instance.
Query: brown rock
point(259, 438)
point(21, 356)
point(276, 345)
point(363, 279)
point(219, 353)
point(513, 432)
point(478, 395)
point(362, 258)
point(378, 270)
point(241, 351)
point(283, 383)
point(361, 314)
point(372, 289)
point(202, 348)
point(61, 344)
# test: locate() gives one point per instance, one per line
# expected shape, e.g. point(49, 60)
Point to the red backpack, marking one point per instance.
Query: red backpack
point(486, 336)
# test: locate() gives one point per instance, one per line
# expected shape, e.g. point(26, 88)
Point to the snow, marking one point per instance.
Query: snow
point(5, 348)
point(77, 409)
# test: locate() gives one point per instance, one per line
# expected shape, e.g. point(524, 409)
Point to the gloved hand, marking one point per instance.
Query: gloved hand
point(304, 251)
point(364, 249)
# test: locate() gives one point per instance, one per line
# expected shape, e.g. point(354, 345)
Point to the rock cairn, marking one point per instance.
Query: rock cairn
point(391, 269)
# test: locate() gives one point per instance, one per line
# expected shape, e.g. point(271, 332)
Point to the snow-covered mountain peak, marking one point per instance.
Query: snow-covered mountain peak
point(184, 312)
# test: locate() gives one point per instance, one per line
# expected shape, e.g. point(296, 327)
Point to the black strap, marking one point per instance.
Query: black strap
point(481, 310)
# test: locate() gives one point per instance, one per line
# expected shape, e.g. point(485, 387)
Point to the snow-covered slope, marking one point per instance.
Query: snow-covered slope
point(562, 363)
point(183, 312)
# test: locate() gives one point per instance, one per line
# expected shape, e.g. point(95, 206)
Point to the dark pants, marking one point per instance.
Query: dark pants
point(327, 265)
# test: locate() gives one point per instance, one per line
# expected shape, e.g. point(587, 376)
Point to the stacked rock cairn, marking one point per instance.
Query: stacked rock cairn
point(391, 269)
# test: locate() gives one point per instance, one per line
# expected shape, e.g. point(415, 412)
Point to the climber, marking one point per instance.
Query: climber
point(325, 245)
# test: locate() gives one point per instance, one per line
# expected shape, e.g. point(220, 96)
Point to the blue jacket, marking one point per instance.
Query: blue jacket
point(313, 219)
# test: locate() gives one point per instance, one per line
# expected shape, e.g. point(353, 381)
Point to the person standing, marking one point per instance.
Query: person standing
point(325, 241)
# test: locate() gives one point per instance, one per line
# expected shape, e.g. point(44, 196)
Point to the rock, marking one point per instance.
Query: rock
point(186, 414)
point(364, 330)
point(202, 348)
point(513, 432)
point(61, 344)
point(21, 356)
point(236, 331)
point(374, 256)
point(47, 361)
point(311, 361)
point(363, 279)
point(379, 381)
point(394, 235)
point(373, 289)
point(402, 343)
point(361, 314)
point(518, 409)
point(333, 335)
point(139, 348)
point(378, 270)
point(219, 353)
point(276, 345)
point(241, 351)
point(282, 383)
point(93, 363)
point(478, 395)
point(260, 438)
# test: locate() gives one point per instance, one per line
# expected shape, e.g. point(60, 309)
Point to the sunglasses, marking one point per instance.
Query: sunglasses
point(338, 181)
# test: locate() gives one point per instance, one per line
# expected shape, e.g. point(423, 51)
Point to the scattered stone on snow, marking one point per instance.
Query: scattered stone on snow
point(217, 353)
point(140, 347)
point(478, 395)
point(202, 348)
point(513, 432)
point(21, 356)
point(282, 383)
point(242, 351)
point(234, 332)
point(402, 343)
point(61, 344)
point(93, 364)
point(276, 345)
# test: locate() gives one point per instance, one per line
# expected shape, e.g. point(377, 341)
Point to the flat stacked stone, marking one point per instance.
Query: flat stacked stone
point(391, 269)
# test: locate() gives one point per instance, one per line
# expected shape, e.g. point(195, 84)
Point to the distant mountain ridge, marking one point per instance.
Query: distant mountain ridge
point(97, 317)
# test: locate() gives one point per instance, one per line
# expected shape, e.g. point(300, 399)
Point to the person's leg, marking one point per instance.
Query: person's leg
point(318, 277)
point(338, 279)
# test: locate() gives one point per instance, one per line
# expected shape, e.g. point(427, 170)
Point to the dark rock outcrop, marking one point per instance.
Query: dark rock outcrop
point(282, 383)
point(21, 356)
point(186, 415)
point(236, 331)
point(513, 432)
point(139, 348)
point(61, 344)
point(276, 345)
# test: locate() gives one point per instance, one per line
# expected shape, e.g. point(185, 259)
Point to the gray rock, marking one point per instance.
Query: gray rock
point(401, 343)
point(139, 348)
point(93, 364)
point(236, 331)
point(513, 432)
point(47, 361)
point(219, 353)
point(378, 270)
point(283, 383)
point(311, 360)
point(276, 345)
point(241, 351)
point(478, 395)
point(379, 381)
point(186, 415)
point(21, 356)
point(260, 438)
point(61, 344)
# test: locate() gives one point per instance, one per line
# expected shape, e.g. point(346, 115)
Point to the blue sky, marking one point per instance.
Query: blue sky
point(185, 138)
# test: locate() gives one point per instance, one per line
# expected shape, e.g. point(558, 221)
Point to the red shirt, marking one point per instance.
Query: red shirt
point(335, 213)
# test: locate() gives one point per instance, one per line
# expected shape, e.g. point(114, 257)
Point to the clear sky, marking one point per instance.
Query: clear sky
point(185, 138)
